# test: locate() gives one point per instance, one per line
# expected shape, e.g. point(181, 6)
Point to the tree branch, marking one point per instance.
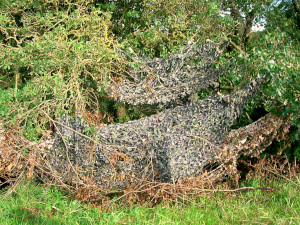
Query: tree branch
point(239, 48)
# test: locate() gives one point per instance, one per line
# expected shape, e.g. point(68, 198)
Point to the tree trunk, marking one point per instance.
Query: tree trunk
point(297, 9)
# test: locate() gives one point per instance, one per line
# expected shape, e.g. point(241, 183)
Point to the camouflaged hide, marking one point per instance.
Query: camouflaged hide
point(162, 82)
point(169, 146)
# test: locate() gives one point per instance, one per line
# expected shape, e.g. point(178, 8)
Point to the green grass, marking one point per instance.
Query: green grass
point(31, 203)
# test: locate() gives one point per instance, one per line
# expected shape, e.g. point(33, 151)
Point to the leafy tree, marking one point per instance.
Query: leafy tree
point(244, 13)
point(56, 56)
point(272, 52)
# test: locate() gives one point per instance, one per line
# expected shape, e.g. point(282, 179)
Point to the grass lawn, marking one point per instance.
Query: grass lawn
point(32, 203)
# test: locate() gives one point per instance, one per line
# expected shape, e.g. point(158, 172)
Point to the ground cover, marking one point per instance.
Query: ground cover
point(277, 202)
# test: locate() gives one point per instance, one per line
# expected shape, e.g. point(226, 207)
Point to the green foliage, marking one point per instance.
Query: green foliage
point(164, 26)
point(56, 57)
point(274, 54)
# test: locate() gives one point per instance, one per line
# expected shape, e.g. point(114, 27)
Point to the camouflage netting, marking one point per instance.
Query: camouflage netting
point(169, 146)
point(162, 82)
point(251, 141)
point(178, 143)
point(14, 164)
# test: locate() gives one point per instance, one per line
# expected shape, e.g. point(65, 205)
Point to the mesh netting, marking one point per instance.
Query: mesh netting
point(162, 82)
point(169, 146)
point(146, 157)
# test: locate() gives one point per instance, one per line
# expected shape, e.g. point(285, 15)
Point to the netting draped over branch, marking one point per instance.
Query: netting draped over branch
point(14, 164)
point(161, 81)
point(171, 145)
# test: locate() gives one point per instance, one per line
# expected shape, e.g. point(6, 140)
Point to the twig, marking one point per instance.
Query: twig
point(238, 48)
point(245, 189)
point(12, 189)
point(277, 174)
point(57, 209)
